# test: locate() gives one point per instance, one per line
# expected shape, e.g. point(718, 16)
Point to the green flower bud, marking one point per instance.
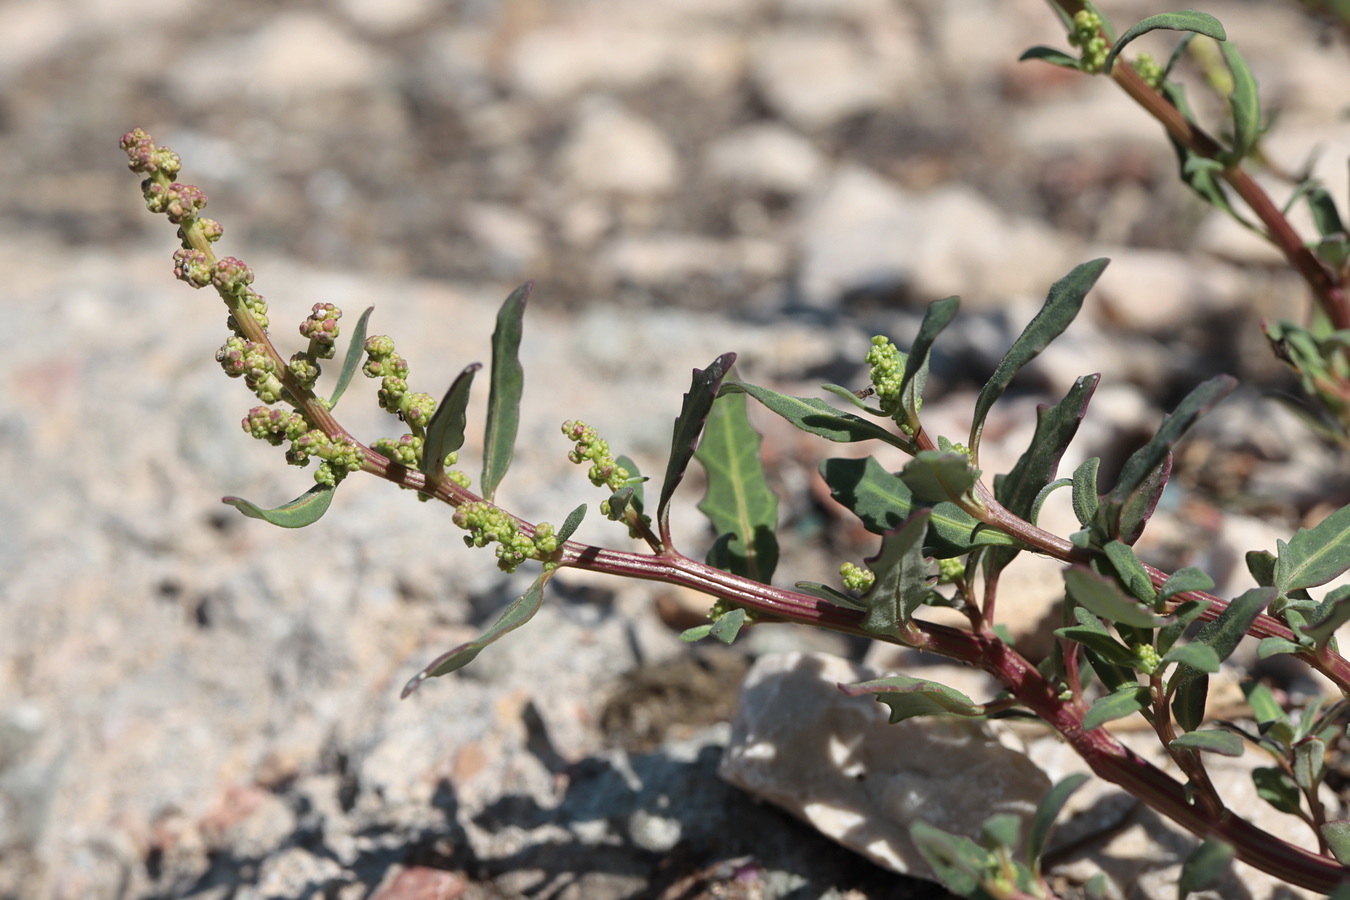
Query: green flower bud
point(857, 578)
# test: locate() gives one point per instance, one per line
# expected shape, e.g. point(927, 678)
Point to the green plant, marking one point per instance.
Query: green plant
point(1135, 640)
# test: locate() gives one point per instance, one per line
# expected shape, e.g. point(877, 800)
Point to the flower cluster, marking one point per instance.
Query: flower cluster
point(887, 373)
point(1087, 37)
point(339, 456)
point(1149, 70)
point(321, 327)
point(857, 578)
point(268, 423)
point(385, 363)
point(240, 356)
point(488, 524)
point(604, 471)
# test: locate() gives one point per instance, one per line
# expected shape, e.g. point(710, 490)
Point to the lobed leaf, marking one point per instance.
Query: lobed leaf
point(352, 361)
point(738, 501)
point(1186, 20)
point(1061, 306)
point(445, 431)
point(304, 510)
point(688, 426)
point(521, 610)
point(507, 383)
point(882, 501)
point(901, 583)
point(1333, 612)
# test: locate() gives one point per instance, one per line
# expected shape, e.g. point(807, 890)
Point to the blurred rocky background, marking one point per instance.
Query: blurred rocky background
point(194, 704)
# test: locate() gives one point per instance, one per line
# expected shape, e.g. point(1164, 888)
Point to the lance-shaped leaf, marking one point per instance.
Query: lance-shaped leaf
point(517, 614)
point(1186, 20)
point(1204, 866)
point(829, 594)
point(1118, 704)
point(960, 864)
point(1224, 743)
point(1245, 103)
point(571, 523)
point(1085, 490)
point(1333, 612)
point(1046, 812)
point(1061, 306)
point(814, 416)
point(1104, 598)
point(1144, 466)
point(1310, 764)
point(507, 383)
point(901, 583)
point(352, 361)
point(1050, 55)
point(445, 431)
point(304, 510)
point(937, 317)
point(933, 476)
point(1277, 789)
point(908, 697)
point(1315, 555)
point(1130, 571)
point(1183, 580)
point(1324, 212)
point(1037, 466)
point(882, 501)
point(1190, 685)
point(688, 426)
point(738, 501)
point(1184, 614)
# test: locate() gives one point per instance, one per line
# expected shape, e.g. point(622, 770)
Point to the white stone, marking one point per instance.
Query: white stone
point(615, 151)
point(814, 78)
point(766, 156)
point(835, 762)
point(387, 16)
point(1153, 291)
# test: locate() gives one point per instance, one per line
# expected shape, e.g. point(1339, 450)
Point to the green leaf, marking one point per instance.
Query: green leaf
point(1183, 580)
point(1188, 700)
point(882, 501)
point(814, 416)
point(1224, 632)
point(1274, 646)
point(1266, 710)
point(445, 431)
point(839, 391)
point(1047, 811)
point(738, 501)
point(1100, 641)
point(697, 633)
point(1116, 705)
point(1224, 743)
point(1061, 306)
point(352, 361)
point(958, 862)
point(728, 625)
point(1261, 565)
point(1310, 764)
point(1337, 835)
point(1204, 866)
point(304, 510)
point(1050, 55)
point(1130, 571)
point(1020, 490)
point(521, 610)
point(1002, 830)
point(1333, 612)
point(902, 577)
point(908, 697)
point(1197, 656)
point(1277, 789)
point(1187, 20)
point(1316, 555)
point(1199, 173)
point(1085, 490)
point(1245, 103)
point(1182, 616)
point(1324, 212)
point(571, 523)
point(829, 594)
point(1144, 474)
point(508, 381)
point(1104, 597)
point(937, 317)
point(933, 476)
point(688, 426)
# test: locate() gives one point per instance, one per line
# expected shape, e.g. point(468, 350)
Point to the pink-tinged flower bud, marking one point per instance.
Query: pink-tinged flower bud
point(192, 266)
point(322, 327)
point(231, 275)
point(210, 229)
point(183, 202)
